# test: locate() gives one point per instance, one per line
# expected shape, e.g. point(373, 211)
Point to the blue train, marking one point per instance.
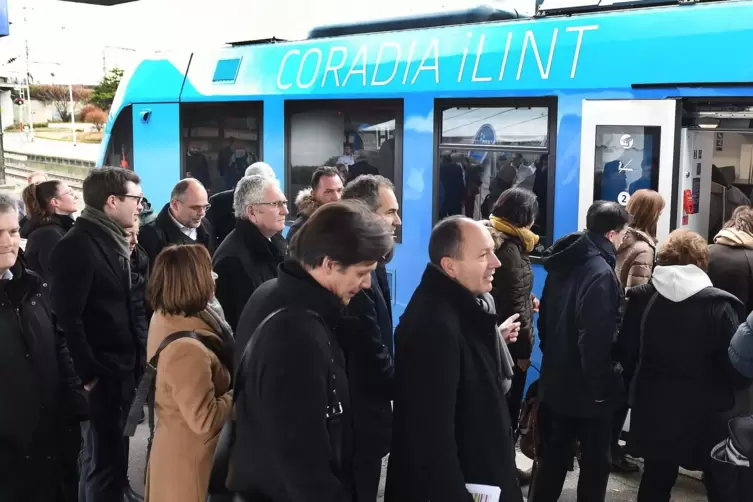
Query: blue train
point(585, 101)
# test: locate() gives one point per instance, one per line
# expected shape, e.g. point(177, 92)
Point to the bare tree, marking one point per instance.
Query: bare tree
point(59, 97)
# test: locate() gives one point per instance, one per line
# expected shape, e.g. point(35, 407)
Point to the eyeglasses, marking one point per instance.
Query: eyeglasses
point(204, 208)
point(139, 198)
point(279, 204)
point(70, 192)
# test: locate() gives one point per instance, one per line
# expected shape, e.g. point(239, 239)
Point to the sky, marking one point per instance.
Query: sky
point(73, 43)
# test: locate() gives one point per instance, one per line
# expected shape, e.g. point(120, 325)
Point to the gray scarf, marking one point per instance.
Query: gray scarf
point(215, 318)
point(486, 301)
point(117, 234)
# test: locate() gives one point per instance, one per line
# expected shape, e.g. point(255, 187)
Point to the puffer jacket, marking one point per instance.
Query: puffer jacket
point(635, 258)
point(306, 204)
point(741, 348)
point(511, 289)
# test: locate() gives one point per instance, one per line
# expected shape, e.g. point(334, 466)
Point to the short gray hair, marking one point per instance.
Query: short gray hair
point(260, 169)
point(366, 189)
point(250, 190)
point(8, 203)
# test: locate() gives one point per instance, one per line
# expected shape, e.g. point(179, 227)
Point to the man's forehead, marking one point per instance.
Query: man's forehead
point(9, 221)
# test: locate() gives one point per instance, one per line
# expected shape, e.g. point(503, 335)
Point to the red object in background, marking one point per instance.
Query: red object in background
point(123, 161)
point(687, 201)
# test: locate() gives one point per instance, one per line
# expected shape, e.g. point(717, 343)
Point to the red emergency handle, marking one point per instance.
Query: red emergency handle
point(687, 202)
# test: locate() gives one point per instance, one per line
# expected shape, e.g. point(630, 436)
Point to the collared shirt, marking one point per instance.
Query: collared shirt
point(189, 232)
point(7, 276)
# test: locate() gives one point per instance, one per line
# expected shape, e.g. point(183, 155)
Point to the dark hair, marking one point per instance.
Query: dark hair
point(447, 239)
point(320, 173)
point(742, 219)
point(37, 199)
point(684, 247)
point(106, 181)
point(181, 281)
point(366, 189)
point(605, 216)
point(517, 206)
point(346, 232)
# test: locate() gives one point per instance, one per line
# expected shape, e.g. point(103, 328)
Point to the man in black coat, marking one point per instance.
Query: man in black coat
point(249, 256)
point(369, 350)
point(294, 421)
point(451, 424)
point(220, 214)
point(326, 186)
point(581, 386)
point(91, 298)
point(41, 395)
point(181, 221)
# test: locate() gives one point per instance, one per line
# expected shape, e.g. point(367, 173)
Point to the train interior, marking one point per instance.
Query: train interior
point(716, 162)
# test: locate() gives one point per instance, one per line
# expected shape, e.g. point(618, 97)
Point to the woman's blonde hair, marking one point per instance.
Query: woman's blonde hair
point(181, 282)
point(645, 207)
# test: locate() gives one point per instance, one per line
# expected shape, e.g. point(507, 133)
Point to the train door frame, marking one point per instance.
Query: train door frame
point(664, 114)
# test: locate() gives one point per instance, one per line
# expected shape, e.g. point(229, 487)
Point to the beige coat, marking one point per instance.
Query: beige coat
point(635, 258)
point(192, 404)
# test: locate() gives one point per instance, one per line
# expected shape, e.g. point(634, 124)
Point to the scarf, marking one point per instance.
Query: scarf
point(113, 230)
point(527, 238)
point(215, 319)
point(734, 238)
point(486, 301)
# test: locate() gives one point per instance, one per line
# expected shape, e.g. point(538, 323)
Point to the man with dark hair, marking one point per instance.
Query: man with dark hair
point(90, 295)
point(451, 425)
point(181, 221)
point(369, 350)
point(581, 386)
point(294, 436)
point(41, 395)
point(326, 186)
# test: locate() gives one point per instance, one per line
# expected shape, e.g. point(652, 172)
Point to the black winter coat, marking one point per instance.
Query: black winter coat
point(578, 321)
point(371, 367)
point(41, 394)
point(730, 270)
point(451, 423)
point(91, 298)
point(139, 280)
point(163, 232)
point(41, 237)
point(220, 215)
point(685, 380)
point(244, 261)
point(513, 283)
point(284, 450)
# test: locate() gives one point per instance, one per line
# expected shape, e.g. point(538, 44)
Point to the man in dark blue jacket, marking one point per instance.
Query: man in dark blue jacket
point(369, 353)
point(581, 385)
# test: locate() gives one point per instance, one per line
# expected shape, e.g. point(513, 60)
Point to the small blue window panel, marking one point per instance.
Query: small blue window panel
point(226, 70)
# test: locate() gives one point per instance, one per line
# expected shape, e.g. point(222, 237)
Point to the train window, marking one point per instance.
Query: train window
point(120, 149)
point(219, 141)
point(355, 136)
point(626, 160)
point(488, 146)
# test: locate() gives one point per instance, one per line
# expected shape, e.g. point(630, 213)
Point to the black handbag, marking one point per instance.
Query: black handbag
point(730, 476)
point(218, 491)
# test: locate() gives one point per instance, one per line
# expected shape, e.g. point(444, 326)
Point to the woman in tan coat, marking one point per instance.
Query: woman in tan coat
point(635, 258)
point(635, 264)
point(192, 393)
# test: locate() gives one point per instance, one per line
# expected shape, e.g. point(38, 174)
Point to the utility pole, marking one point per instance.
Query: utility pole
point(28, 78)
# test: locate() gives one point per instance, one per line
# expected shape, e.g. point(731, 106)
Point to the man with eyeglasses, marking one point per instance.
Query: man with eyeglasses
point(91, 300)
point(181, 221)
point(250, 254)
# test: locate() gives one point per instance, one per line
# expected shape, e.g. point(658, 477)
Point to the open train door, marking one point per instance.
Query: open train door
point(627, 145)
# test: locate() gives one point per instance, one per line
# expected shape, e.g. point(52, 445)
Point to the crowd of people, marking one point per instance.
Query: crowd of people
point(272, 362)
